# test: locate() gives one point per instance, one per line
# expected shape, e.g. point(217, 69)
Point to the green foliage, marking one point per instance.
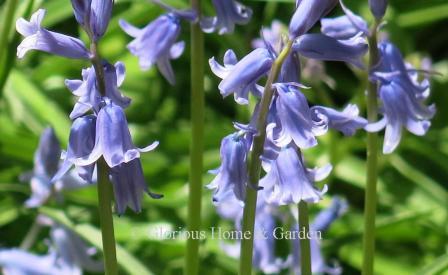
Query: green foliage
point(412, 231)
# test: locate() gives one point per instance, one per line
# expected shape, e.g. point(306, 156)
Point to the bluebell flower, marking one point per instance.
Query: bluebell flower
point(291, 119)
point(347, 121)
point(156, 43)
point(129, 185)
point(228, 13)
point(288, 181)
point(343, 27)
point(46, 164)
point(88, 92)
point(271, 36)
point(378, 8)
point(307, 13)
point(72, 252)
point(326, 217)
point(17, 261)
point(403, 99)
point(112, 139)
point(93, 15)
point(240, 77)
point(38, 38)
point(81, 143)
point(68, 254)
point(323, 47)
point(231, 176)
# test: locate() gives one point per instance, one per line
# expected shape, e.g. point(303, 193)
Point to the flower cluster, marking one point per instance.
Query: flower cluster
point(67, 254)
point(292, 125)
point(100, 128)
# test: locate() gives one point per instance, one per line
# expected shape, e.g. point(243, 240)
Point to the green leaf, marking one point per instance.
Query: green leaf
point(423, 16)
point(438, 266)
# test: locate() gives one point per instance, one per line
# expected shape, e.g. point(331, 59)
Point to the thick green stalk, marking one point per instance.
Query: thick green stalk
point(105, 196)
point(372, 163)
point(105, 192)
point(31, 236)
point(305, 252)
point(255, 165)
point(196, 145)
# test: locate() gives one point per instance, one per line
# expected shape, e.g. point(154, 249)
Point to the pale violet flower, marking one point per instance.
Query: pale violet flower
point(112, 139)
point(288, 181)
point(87, 89)
point(228, 13)
point(46, 164)
point(241, 77)
point(93, 15)
point(346, 121)
point(156, 43)
point(231, 176)
point(38, 38)
point(403, 98)
point(129, 185)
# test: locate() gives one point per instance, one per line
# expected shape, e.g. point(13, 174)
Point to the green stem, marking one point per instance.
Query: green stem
point(31, 236)
point(372, 163)
point(8, 16)
point(105, 192)
point(255, 164)
point(196, 147)
point(305, 252)
point(105, 197)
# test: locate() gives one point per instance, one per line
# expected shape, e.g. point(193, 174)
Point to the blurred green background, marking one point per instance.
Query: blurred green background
point(412, 223)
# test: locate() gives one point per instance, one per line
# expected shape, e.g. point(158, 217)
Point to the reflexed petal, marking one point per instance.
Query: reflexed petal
point(288, 181)
point(346, 121)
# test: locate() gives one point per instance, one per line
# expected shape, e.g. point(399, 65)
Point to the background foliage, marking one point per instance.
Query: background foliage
point(412, 224)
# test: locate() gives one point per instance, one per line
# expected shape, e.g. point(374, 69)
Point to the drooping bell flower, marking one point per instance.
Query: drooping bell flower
point(400, 110)
point(46, 164)
point(241, 77)
point(112, 139)
point(231, 176)
point(81, 143)
point(88, 92)
point(288, 181)
point(18, 261)
point(291, 116)
point(347, 121)
point(73, 251)
point(270, 35)
point(402, 96)
point(228, 13)
point(323, 47)
point(156, 43)
point(378, 8)
point(38, 38)
point(307, 13)
point(326, 217)
point(93, 15)
point(129, 185)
